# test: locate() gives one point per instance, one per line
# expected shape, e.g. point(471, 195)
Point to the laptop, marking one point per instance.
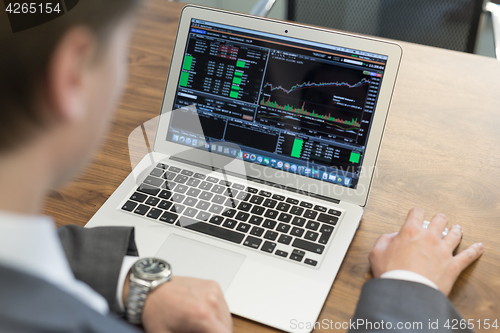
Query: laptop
point(263, 160)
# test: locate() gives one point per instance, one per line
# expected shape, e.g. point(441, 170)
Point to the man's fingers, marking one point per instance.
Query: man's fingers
point(453, 238)
point(384, 240)
point(438, 224)
point(414, 218)
point(468, 256)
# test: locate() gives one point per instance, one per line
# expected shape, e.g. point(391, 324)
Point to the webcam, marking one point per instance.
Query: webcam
point(286, 31)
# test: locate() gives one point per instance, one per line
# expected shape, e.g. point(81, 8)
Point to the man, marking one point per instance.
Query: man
point(59, 84)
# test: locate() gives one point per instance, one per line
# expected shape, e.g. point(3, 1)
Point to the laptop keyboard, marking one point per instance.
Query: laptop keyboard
point(261, 220)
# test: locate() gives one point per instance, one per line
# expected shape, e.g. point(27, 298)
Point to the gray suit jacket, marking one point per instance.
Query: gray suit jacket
point(29, 304)
point(413, 304)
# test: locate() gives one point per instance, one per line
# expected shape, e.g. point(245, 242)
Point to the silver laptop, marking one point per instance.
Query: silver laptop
point(263, 159)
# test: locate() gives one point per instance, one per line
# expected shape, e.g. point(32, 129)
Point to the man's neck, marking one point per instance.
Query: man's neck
point(24, 180)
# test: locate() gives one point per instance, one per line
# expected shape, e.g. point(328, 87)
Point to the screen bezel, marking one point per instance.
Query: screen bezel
point(356, 196)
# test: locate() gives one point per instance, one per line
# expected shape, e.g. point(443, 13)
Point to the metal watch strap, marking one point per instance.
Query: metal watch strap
point(137, 294)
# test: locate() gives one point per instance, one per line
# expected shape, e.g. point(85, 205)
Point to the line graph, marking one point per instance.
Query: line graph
point(304, 85)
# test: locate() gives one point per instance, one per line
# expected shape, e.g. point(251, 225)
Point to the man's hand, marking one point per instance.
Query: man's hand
point(186, 305)
point(423, 251)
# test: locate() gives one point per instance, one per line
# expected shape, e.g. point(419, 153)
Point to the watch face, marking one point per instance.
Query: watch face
point(151, 267)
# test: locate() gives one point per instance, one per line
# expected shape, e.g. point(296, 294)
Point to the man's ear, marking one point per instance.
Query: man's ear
point(67, 75)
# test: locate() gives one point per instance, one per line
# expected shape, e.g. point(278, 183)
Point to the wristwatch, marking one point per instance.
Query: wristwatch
point(146, 275)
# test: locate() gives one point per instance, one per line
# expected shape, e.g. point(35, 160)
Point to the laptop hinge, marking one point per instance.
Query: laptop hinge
point(257, 180)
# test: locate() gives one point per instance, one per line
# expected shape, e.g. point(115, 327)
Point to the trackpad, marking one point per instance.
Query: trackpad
point(195, 259)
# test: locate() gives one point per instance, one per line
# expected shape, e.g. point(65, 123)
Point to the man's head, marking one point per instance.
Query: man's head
point(60, 82)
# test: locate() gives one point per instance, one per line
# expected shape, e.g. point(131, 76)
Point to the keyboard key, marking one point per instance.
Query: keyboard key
point(216, 209)
point(129, 206)
point(243, 196)
point(252, 242)
point(203, 205)
point(255, 220)
point(312, 225)
point(320, 208)
point(154, 213)
point(165, 204)
point(311, 235)
point(296, 257)
point(271, 235)
point(268, 247)
point(292, 201)
point(328, 219)
point(298, 221)
point(148, 189)
point(270, 224)
point(215, 231)
point(162, 166)
point(310, 262)
point(310, 214)
point(187, 173)
point(156, 172)
point(297, 232)
point(231, 203)
point(296, 210)
point(153, 181)
point(193, 182)
point(165, 194)
point(272, 214)
point(139, 197)
point(205, 186)
point(191, 212)
point(199, 176)
point(218, 189)
point(269, 203)
point(334, 212)
point(230, 223)
point(257, 210)
point(283, 207)
point(284, 217)
point(219, 199)
point(257, 231)
point(152, 201)
point(213, 179)
point(206, 196)
point(178, 197)
point(203, 216)
point(243, 227)
point(285, 239)
point(190, 201)
point(252, 190)
point(238, 186)
point(298, 252)
point(306, 204)
point(174, 169)
point(265, 193)
point(281, 253)
point(245, 206)
point(229, 213)
point(181, 189)
point(225, 183)
point(278, 197)
point(141, 209)
point(169, 175)
point(169, 217)
point(282, 227)
point(217, 220)
point(242, 216)
point(308, 246)
point(177, 208)
point(193, 192)
point(256, 199)
point(326, 231)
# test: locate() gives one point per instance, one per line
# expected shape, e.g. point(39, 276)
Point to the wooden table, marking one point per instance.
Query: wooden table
point(441, 151)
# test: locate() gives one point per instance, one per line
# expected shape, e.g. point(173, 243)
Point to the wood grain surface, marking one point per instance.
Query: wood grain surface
point(441, 151)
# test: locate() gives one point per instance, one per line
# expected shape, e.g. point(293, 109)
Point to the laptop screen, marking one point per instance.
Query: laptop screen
point(295, 105)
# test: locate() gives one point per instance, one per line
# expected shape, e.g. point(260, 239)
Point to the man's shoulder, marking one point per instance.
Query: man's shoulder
point(29, 304)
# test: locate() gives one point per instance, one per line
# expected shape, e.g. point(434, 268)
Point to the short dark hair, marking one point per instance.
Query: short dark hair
point(24, 58)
